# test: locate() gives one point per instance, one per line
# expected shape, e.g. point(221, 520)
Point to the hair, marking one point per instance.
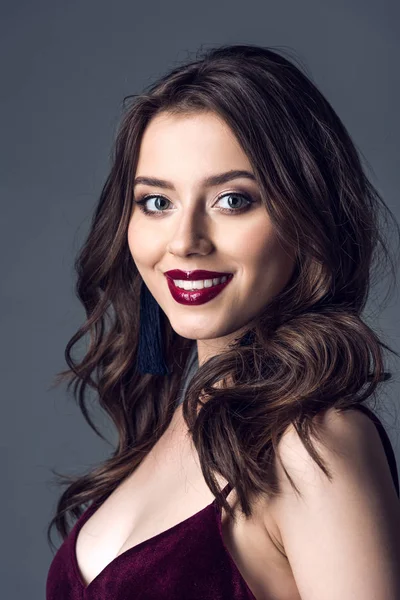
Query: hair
point(309, 350)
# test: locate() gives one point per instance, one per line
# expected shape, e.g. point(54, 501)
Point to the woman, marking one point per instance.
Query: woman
point(224, 277)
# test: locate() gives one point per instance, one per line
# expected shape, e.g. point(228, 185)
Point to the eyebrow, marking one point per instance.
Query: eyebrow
point(210, 181)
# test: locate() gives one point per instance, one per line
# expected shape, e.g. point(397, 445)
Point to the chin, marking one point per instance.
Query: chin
point(203, 333)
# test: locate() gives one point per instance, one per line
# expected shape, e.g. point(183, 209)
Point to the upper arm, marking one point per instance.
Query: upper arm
point(341, 537)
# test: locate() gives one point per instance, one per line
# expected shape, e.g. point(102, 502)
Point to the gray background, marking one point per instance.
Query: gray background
point(66, 67)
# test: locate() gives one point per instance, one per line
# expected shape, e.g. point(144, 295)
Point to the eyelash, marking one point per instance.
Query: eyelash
point(144, 199)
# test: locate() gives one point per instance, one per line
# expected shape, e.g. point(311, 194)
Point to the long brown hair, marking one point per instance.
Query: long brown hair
point(309, 350)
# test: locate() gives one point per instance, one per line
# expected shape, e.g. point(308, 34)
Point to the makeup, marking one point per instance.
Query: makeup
point(195, 297)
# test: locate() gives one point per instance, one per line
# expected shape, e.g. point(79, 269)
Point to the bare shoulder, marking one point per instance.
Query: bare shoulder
point(344, 438)
point(351, 520)
point(348, 443)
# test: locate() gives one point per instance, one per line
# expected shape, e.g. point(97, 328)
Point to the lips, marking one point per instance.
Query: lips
point(196, 297)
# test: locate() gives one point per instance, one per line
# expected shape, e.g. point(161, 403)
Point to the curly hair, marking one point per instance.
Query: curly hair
point(309, 349)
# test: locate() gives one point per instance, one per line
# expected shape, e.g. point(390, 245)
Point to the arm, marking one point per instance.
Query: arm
point(342, 538)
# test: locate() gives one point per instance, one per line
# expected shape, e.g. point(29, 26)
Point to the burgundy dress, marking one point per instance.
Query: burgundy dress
point(188, 561)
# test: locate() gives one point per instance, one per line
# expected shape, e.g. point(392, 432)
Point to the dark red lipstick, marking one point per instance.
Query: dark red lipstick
point(195, 297)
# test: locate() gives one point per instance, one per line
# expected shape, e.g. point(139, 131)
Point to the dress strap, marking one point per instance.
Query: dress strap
point(227, 490)
point(387, 446)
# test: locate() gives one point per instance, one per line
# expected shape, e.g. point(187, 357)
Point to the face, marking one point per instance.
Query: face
point(191, 225)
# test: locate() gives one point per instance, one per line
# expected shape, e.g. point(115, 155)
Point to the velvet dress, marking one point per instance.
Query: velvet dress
point(188, 561)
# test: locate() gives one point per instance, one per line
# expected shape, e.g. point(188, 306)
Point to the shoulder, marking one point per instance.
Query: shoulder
point(337, 432)
point(346, 440)
point(350, 521)
point(350, 446)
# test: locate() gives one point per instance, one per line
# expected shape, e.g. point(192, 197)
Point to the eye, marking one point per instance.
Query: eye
point(249, 200)
point(143, 202)
point(238, 200)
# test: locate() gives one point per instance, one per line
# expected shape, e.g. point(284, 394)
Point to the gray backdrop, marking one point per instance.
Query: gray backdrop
point(66, 67)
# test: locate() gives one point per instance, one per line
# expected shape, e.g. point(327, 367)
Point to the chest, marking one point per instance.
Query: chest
point(167, 488)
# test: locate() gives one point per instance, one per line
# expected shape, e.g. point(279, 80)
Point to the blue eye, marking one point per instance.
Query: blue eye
point(241, 197)
point(248, 199)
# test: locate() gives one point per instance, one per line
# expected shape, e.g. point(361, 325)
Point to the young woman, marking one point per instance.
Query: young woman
point(224, 278)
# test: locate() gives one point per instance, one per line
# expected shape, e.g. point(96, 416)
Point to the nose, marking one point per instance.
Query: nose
point(190, 235)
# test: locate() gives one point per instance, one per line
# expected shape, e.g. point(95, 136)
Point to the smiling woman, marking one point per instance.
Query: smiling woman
point(206, 167)
point(224, 277)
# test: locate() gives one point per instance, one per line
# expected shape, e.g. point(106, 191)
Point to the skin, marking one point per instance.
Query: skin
point(189, 230)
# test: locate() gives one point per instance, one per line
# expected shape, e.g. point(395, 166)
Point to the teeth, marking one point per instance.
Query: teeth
point(199, 284)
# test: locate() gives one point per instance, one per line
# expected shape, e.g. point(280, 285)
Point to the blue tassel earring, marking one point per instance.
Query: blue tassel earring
point(150, 353)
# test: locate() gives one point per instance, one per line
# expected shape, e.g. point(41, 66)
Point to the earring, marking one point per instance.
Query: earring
point(150, 354)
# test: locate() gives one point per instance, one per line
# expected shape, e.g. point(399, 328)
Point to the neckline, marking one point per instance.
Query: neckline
point(131, 551)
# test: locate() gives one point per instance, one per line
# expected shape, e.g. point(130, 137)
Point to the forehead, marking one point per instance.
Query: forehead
point(179, 145)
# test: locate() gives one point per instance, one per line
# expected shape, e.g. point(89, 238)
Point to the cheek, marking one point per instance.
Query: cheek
point(276, 266)
point(253, 242)
point(267, 264)
point(140, 245)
